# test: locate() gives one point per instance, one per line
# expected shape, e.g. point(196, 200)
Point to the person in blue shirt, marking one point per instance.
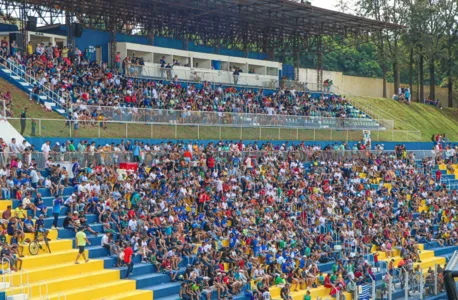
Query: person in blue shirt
point(232, 241)
point(28, 225)
point(56, 211)
point(136, 152)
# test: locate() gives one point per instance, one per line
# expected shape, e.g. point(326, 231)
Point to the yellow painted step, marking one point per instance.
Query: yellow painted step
point(4, 204)
point(430, 262)
point(55, 245)
point(53, 235)
point(131, 295)
point(323, 294)
point(45, 259)
point(424, 255)
point(94, 291)
point(54, 271)
point(65, 283)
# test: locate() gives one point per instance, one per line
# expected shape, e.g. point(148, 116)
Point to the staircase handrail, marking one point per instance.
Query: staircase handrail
point(19, 71)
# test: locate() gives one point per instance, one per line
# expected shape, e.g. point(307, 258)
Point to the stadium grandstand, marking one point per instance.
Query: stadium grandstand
point(157, 150)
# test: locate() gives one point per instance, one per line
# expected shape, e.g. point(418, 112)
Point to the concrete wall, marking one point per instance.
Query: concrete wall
point(38, 141)
point(363, 86)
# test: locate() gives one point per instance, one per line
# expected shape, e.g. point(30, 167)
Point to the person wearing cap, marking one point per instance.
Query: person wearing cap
point(81, 241)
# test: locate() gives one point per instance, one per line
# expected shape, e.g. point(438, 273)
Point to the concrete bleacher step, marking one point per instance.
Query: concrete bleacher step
point(321, 292)
point(49, 272)
point(131, 295)
point(446, 250)
point(52, 236)
point(110, 262)
point(154, 279)
point(45, 259)
point(55, 245)
point(65, 283)
point(165, 289)
point(94, 291)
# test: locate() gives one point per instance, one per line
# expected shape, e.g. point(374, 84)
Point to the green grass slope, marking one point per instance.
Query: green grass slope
point(426, 118)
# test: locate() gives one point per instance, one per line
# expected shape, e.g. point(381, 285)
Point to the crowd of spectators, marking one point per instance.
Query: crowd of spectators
point(236, 212)
point(266, 216)
point(76, 79)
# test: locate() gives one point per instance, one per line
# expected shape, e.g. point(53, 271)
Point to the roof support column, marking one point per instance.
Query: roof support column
point(70, 33)
point(113, 49)
point(23, 43)
point(319, 63)
point(296, 59)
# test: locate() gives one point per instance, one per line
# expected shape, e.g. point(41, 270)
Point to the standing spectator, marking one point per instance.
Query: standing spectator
point(14, 48)
point(14, 149)
point(118, 61)
point(81, 241)
point(56, 211)
point(236, 75)
point(34, 178)
point(29, 48)
point(128, 252)
point(46, 148)
point(23, 120)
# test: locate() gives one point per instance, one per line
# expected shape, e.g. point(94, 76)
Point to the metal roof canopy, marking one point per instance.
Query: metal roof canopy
point(289, 17)
point(274, 27)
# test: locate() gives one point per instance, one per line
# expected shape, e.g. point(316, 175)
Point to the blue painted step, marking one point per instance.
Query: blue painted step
point(145, 280)
point(165, 290)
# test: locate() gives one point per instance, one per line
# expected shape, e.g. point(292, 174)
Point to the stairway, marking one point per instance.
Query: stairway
point(16, 76)
point(55, 275)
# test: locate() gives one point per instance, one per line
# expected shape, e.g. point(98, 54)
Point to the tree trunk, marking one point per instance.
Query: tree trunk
point(432, 79)
point(449, 75)
point(411, 72)
point(422, 79)
point(384, 79)
point(396, 76)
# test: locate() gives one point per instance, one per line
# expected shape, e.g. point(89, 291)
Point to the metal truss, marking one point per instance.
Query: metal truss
point(269, 26)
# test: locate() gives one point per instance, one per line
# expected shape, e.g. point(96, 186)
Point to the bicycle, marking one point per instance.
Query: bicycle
point(35, 246)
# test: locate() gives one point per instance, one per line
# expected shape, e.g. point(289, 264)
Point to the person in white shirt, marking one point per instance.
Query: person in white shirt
point(13, 147)
point(106, 241)
point(46, 148)
point(34, 178)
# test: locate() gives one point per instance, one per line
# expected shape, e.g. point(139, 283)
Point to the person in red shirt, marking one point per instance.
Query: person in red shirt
point(438, 175)
point(187, 155)
point(211, 163)
point(203, 197)
point(167, 268)
point(128, 252)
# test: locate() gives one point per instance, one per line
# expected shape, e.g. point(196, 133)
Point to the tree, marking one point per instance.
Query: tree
point(388, 42)
point(449, 43)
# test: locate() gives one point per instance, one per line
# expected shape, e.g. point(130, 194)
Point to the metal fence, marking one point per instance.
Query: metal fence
point(32, 79)
point(187, 117)
point(199, 75)
point(223, 157)
point(91, 128)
